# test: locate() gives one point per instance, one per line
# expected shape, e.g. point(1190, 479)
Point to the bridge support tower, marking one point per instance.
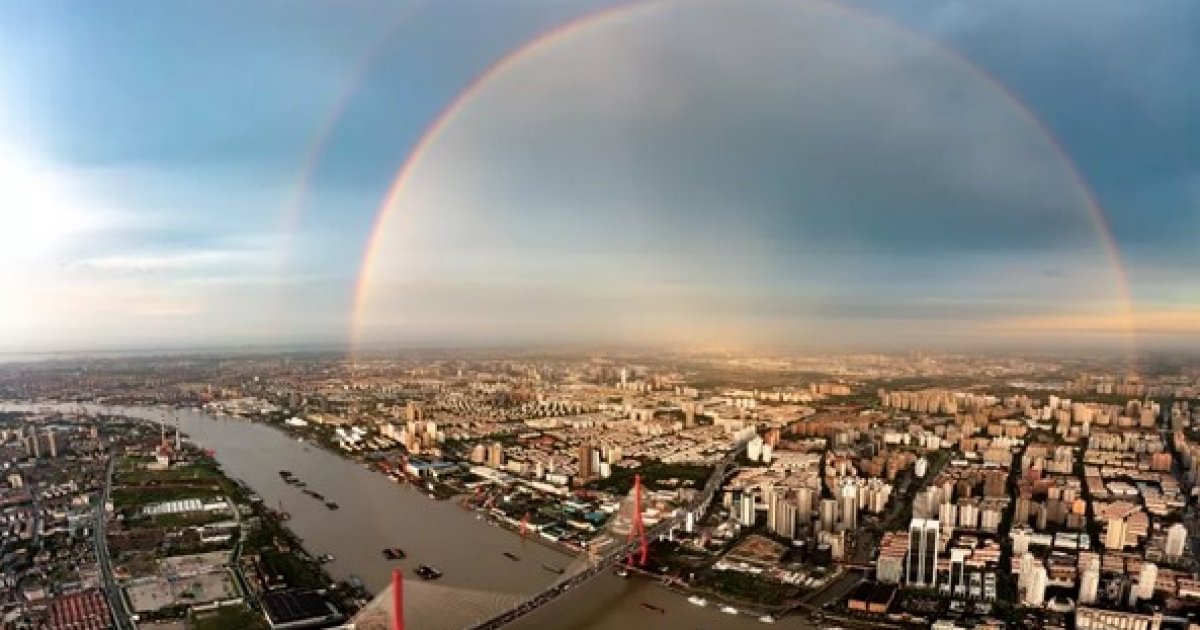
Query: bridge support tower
point(637, 528)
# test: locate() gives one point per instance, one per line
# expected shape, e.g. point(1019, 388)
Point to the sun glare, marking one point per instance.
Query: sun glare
point(39, 212)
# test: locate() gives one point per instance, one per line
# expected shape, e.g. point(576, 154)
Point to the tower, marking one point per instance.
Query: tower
point(637, 529)
point(397, 600)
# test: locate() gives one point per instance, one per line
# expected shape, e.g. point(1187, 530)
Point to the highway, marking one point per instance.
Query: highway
point(116, 602)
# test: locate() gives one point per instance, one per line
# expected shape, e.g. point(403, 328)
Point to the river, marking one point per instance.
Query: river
point(376, 513)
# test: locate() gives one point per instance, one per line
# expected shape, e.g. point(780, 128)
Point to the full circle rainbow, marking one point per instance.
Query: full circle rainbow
point(565, 31)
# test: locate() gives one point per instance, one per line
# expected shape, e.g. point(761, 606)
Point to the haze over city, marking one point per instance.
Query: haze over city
point(770, 174)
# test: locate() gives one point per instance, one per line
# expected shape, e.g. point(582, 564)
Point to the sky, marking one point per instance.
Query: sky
point(764, 173)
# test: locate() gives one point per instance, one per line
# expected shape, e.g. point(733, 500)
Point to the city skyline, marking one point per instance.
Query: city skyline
point(786, 174)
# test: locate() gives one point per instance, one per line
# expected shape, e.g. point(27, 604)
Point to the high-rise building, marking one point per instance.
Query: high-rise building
point(746, 510)
point(1089, 583)
point(754, 449)
point(994, 484)
point(1025, 568)
point(1035, 591)
point(1020, 541)
point(586, 471)
point(920, 468)
point(829, 510)
point(689, 415)
point(948, 515)
point(783, 517)
point(923, 535)
point(849, 507)
point(1114, 535)
point(52, 443)
point(1145, 584)
point(1176, 540)
point(804, 504)
point(495, 456)
point(958, 575)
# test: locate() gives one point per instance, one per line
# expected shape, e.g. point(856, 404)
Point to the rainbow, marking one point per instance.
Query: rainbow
point(562, 32)
point(293, 210)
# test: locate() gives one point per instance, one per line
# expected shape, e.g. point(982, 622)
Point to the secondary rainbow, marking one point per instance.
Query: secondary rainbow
point(564, 31)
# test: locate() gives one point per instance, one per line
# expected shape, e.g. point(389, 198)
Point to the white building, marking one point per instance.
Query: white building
point(1035, 591)
point(1176, 541)
point(1089, 583)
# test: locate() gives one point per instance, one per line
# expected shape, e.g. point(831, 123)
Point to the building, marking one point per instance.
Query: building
point(746, 514)
point(783, 517)
point(586, 472)
point(804, 504)
point(1114, 535)
point(849, 507)
point(1020, 542)
point(957, 585)
point(889, 569)
point(1035, 590)
point(1094, 619)
point(1145, 584)
point(829, 509)
point(1089, 583)
point(495, 455)
point(923, 538)
point(1176, 541)
point(1025, 568)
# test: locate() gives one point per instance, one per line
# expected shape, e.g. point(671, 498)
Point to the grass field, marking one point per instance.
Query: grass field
point(229, 618)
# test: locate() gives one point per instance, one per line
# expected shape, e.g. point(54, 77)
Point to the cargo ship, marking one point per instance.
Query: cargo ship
point(426, 572)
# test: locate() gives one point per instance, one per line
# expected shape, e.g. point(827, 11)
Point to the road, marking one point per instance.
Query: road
point(116, 602)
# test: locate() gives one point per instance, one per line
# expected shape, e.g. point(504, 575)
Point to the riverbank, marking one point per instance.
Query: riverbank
point(376, 513)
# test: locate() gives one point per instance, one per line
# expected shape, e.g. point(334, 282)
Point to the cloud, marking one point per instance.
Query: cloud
point(792, 148)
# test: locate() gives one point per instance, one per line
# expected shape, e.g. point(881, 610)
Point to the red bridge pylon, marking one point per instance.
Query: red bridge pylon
point(637, 528)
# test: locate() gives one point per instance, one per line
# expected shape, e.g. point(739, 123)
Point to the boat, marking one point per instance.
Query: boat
point(325, 557)
point(511, 556)
point(426, 572)
point(331, 505)
point(551, 569)
point(394, 553)
point(622, 572)
point(767, 619)
point(729, 610)
point(649, 606)
point(285, 473)
point(697, 600)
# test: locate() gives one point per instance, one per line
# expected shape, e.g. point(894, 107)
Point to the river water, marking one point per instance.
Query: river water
point(376, 513)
